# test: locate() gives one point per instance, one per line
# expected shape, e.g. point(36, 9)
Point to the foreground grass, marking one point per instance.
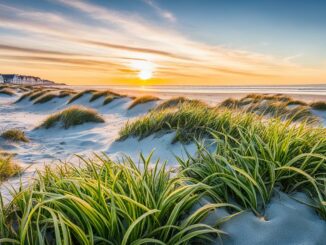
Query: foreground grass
point(107, 203)
point(8, 167)
point(15, 135)
point(72, 116)
point(142, 100)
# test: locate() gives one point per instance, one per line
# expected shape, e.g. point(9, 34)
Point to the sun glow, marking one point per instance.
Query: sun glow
point(145, 69)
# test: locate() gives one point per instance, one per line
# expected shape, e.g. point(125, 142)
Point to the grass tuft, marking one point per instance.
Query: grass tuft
point(108, 99)
point(15, 135)
point(81, 94)
point(7, 91)
point(100, 94)
point(142, 100)
point(72, 116)
point(319, 105)
point(177, 102)
point(7, 169)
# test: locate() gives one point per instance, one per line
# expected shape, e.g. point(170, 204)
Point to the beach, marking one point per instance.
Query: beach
point(114, 133)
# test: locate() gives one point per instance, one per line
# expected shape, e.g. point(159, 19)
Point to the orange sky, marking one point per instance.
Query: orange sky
point(113, 47)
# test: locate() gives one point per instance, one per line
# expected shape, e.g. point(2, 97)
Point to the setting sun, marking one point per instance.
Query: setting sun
point(145, 69)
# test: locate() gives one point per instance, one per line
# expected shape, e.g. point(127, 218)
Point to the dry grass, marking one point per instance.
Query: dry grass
point(15, 135)
point(142, 100)
point(7, 91)
point(230, 103)
point(81, 94)
point(8, 168)
point(108, 99)
point(72, 116)
point(296, 102)
point(100, 94)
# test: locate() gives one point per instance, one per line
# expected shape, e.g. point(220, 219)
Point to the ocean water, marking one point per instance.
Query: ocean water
point(217, 93)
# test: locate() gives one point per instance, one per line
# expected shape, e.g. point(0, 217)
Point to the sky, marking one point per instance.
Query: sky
point(165, 42)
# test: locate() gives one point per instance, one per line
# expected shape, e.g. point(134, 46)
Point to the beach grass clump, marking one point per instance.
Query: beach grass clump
point(176, 102)
point(230, 103)
point(108, 99)
point(72, 116)
point(188, 121)
point(15, 135)
point(142, 100)
point(296, 102)
point(250, 162)
point(318, 105)
point(24, 96)
point(7, 91)
point(37, 94)
point(45, 98)
point(100, 94)
point(8, 168)
point(52, 95)
point(81, 94)
point(108, 203)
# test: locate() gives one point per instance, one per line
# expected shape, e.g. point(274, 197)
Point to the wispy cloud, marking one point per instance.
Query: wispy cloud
point(162, 12)
point(110, 40)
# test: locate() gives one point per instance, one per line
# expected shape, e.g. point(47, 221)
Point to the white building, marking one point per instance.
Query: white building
point(19, 79)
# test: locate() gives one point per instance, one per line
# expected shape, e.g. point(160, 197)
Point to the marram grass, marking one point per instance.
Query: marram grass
point(142, 100)
point(72, 116)
point(107, 203)
point(8, 168)
point(15, 135)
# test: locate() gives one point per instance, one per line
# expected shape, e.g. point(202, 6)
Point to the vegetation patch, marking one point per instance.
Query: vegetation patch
point(108, 203)
point(249, 163)
point(7, 91)
point(24, 96)
point(8, 168)
point(108, 99)
point(319, 105)
point(100, 94)
point(142, 100)
point(15, 135)
point(81, 94)
point(72, 116)
point(176, 102)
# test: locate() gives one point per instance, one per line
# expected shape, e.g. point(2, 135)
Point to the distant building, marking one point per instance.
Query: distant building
point(20, 79)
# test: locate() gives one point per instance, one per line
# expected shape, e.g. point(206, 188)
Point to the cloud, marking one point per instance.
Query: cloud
point(163, 13)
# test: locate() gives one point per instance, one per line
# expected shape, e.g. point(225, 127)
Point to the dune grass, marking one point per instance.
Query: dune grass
point(249, 163)
point(177, 102)
point(81, 94)
point(142, 100)
point(100, 94)
point(108, 99)
point(52, 95)
point(72, 116)
point(8, 168)
point(36, 94)
point(318, 105)
point(24, 96)
point(296, 102)
point(104, 202)
point(15, 135)
point(7, 91)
